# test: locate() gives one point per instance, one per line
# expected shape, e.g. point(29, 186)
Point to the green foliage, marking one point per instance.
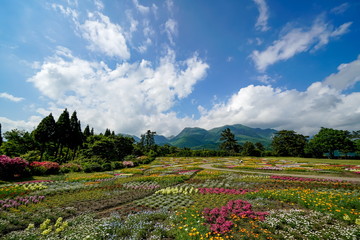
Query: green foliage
point(17, 142)
point(32, 156)
point(147, 141)
point(1, 138)
point(229, 142)
point(106, 167)
point(45, 133)
point(116, 165)
point(70, 167)
point(249, 149)
point(328, 140)
point(92, 167)
point(112, 148)
point(288, 143)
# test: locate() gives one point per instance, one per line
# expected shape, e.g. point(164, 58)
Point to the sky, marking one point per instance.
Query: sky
point(134, 65)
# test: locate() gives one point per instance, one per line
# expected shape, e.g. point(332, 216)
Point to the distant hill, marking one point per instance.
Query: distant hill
point(198, 138)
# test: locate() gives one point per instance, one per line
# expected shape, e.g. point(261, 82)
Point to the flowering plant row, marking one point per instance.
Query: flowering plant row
point(303, 179)
point(222, 191)
point(141, 185)
point(18, 201)
point(220, 219)
point(177, 190)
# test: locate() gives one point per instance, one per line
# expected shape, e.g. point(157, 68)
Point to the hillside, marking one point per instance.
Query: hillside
point(198, 138)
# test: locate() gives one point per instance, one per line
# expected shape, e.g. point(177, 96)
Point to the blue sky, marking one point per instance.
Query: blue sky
point(134, 65)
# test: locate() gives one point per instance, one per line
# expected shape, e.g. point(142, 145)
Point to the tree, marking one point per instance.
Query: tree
point(45, 133)
point(76, 136)
point(18, 142)
point(259, 148)
point(107, 132)
point(229, 143)
point(1, 139)
point(63, 131)
point(87, 131)
point(111, 148)
point(249, 149)
point(288, 143)
point(328, 140)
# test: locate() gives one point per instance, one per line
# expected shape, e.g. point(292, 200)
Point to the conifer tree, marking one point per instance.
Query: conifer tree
point(107, 132)
point(87, 131)
point(63, 131)
point(76, 136)
point(1, 139)
point(45, 133)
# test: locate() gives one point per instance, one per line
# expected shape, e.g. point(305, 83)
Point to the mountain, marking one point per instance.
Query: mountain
point(198, 138)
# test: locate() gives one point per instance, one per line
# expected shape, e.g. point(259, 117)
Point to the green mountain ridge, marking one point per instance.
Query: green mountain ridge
point(199, 138)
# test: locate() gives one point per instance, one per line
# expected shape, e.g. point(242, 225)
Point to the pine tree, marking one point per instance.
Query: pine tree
point(229, 142)
point(63, 131)
point(107, 132)
point(87, 131)
point(1, 139)
point(76, 136)
point(45, 133)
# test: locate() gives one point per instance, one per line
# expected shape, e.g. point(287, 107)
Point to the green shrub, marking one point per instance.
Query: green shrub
point(70, 167)
point(106, 167)
point(116, 165)
point(92, 167)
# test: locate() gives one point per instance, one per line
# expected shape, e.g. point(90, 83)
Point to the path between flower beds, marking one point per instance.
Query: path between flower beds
point(208, 166)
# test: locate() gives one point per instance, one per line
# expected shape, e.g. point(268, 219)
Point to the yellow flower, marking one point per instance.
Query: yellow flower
point(357, 221)
point(346, 217)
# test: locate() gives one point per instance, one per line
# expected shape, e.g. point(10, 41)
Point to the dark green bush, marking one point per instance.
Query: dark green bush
point(92, 167)
point(106, 167)
point(116, 165)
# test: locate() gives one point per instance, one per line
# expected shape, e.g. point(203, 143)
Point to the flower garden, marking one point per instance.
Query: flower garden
point(177, 198)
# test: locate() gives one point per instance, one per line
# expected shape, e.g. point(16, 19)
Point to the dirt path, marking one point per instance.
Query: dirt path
point(208, 166)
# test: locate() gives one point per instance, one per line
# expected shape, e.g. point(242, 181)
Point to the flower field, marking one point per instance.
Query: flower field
point(177, 198)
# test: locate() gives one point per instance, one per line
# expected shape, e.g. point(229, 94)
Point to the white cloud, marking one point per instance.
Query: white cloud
point(261, 23)
point(69, 12)
point(10, 97)
point(347, 76)
point(105, 36)
point(141, 8)
point(170, 5)
point(27, 125)
point(99, 4)
point(171, 30)
point(297, 40)
point(340, 9)
point(266, 79)
point(304, 112)
point(129, 98)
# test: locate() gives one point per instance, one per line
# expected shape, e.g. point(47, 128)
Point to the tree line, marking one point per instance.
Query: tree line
point(63, 140)
point(327, 142)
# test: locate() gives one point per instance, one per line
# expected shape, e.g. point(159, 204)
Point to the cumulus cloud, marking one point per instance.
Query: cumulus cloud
point(298, 40)
point(105, 36)
point(347, 76)
point(129, 97)
point(302, 111)
point(27, 125)
point(261, 23)
point(10, 97)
